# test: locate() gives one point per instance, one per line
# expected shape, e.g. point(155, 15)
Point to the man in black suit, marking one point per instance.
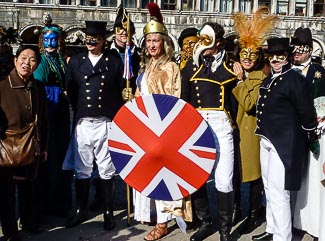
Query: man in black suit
point(94, 85)
point(286, 123)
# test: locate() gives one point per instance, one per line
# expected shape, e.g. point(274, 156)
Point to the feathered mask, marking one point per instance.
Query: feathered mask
point(252, 32)
point(155, 25)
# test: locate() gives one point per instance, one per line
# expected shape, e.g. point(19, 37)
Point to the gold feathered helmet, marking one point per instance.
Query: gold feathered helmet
point(155, 25)
point(252, 32)
point(209, 34)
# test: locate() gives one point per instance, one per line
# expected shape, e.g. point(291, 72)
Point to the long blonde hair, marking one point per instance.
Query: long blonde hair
point(167, 56)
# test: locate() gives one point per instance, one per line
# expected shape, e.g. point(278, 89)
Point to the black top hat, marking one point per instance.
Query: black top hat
point(278, 45)
point(186, 33)
point(121, 19)
point(302, 36)
point(95, 27)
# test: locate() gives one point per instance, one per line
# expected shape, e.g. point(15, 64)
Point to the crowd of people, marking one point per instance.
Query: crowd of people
point(264, 104)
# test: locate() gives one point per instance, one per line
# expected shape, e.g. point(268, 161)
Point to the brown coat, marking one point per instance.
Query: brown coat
point(246, 94)
point(20, 102)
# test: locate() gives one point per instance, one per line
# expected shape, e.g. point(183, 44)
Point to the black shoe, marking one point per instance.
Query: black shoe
point(109, 221)
point(78, 218)
point(263, 236)
point(225, 236)
point(203, 232)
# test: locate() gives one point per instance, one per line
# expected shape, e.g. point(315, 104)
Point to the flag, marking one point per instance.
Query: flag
point(128, 72)
point(162, 147)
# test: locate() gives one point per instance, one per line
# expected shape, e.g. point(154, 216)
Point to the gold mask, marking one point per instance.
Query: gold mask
point(249, 53)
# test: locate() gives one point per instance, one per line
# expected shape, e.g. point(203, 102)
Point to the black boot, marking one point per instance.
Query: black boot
point(107, 190)
point(200, 205)
point(252, 221)
point(225, 210)
point(236, 215)
point(82, 193)
point(97, 203)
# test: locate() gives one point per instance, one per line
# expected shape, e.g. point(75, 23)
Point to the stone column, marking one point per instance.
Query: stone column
point(310, 8)
point(236, 5)
point(273, 6)
point(292, 10)
point(197, 5)
point(255, 5)
point(217, 6)
point(179, 5)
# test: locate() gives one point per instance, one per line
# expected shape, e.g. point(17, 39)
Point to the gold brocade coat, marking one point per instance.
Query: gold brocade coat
point(246, 94)
point(163, 78)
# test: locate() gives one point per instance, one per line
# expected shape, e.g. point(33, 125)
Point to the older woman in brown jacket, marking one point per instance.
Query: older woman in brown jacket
point(22, 101)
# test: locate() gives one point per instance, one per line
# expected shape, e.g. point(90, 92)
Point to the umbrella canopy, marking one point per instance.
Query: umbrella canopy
point(162, 147)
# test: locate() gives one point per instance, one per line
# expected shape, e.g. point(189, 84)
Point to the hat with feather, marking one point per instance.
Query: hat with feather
point(253, 31)
point(155, 25)
point(122, 19)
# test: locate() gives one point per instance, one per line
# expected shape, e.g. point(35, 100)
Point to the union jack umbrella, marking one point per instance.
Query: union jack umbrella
point(162, 147)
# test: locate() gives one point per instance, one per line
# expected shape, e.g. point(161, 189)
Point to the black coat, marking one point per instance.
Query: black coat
point(135, 60)
point(95, 91)
point(204, 89)
point(285, 113)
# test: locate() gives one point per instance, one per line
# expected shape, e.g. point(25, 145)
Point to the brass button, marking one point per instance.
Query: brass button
point(99, 106)
point(86, 77)
point(100, 90)
point(88, 106)
point(87, 91)
point(102, 83)
point(198, 94)
point(103, 76)
point(87, 83)
point(99, 97)
point(88, 97)
point(199, 101)
point(196, 88)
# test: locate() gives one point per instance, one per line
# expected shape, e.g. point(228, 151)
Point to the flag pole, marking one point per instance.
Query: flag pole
point(127, 75)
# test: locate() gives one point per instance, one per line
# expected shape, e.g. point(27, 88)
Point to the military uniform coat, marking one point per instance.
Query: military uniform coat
point(246, 94)
point(284, 115)
point(95, 91)
point(206, 90)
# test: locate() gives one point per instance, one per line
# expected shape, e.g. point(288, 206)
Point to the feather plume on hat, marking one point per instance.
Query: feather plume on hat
point(154, 11)
point(156, 24)
point(252, 32)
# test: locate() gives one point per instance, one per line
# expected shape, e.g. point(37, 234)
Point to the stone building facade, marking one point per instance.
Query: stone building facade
point(27, 16)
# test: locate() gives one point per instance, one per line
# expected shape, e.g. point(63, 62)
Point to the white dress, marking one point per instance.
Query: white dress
point(309, 212)
point(144, 207)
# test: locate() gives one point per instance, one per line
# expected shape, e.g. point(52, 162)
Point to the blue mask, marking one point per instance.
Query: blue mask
point(50, 39)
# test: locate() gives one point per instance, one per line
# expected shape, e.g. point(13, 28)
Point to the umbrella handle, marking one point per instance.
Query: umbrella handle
point(128, 205)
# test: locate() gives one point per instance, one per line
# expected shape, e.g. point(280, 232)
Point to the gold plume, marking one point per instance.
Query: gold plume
point(252, 31)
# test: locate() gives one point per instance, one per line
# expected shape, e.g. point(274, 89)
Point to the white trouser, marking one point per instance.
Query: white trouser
point(278, 211)
point(91, 137)
point(221, 125)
